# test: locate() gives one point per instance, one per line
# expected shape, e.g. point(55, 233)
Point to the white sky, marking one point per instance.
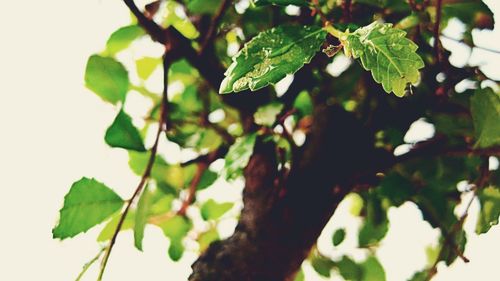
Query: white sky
point(52, 134)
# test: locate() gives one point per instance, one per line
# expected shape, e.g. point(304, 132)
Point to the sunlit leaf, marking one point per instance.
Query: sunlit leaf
point(212, 210)
point(146, 66)
point(141, 217)
point(176, 228)
point(87, 204)
point(123, 37)
point(387, 53)
point(107, 78)
point(270, 56)
point(490, 209)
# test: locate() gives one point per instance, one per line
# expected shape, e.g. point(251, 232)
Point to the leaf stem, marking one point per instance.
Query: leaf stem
point(89, 264)
point(333, 31)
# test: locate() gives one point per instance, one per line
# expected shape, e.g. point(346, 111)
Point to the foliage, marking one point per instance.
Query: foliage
point(390, 46)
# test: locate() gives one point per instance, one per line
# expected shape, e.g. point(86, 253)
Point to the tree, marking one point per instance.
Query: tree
point(300, 149)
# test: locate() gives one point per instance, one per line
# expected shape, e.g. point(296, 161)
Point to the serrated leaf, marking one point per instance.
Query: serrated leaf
point(122, 133)
point(338, 236)
point(212, 210)
point(107, 78)
point(387, 53)
point(141, 217)
point(238, 156)
point(490, 209)
point(280, 2)
point(87, 204)
point(270, 56)
point(485, 109)
point(122, 38)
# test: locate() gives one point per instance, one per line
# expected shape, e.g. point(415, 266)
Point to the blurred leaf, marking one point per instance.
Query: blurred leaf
point(270, 56)
point(107, 78)
point(141, 217)
point(146, 66)
point(372, 270)
point(375, 224)
point(387, 53)
point(172, 175)
point(238, 156)
point(303, 104)
point(207, 179)
point(183, 25)
point(349, 269)
point(212, 210)
point(300, 276)
point(322, 265)
point(490, 209)
point(338, 236)
point(472, 12)
point(266, 114)
point(87, 204)
point(485, 108)
point(109, 229)
point(203, 6)
point(280, 2)
point(122, 38)
point(396, 188)
point(122, 133)
point(176, 228)
point(206, 238)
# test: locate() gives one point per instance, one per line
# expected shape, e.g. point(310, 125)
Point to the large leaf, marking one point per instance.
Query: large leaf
point(122, 133)
point(387, 53)
point(107, 78)
point(87, 204)
point(122, 38)
point(270, 56)
point(485, 108)
point(490, 209)
point(238, 156)
point(280, 2)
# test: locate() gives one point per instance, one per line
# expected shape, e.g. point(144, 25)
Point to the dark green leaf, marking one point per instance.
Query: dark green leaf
point(322, 265)
point(203, 6)
point(349, 269)
point(87, 204)
point(485, 108)
point(107, 78)
point(212, 210)
point(338, 236)
point(490, 209)
point(122, 38)
point(387, 53)
point(122, 133)
point(396, 188)
point(270, 56)
point(372, 270)
point(238, 156)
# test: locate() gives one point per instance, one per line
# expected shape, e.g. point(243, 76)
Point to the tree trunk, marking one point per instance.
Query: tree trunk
point(280, 222)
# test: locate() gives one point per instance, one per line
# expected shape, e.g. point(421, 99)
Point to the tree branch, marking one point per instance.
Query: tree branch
point(211, 33)
point(437, 25)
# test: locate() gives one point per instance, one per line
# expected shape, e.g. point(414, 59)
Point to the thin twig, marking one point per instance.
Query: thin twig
point(437, 45)
point(201, 167)
point(89, 264)
point(212, 29)
point(147, 172)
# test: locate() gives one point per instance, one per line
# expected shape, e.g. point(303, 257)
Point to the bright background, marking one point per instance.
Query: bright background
point(52, 134)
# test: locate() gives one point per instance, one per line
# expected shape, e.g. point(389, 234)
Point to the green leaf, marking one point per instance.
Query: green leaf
point(146, 66)
point(303, 104)
point(122, 133)
point(375, 224)
point(207, 179)
point(162, 172)
point(349, 269)
point(183, 25)
point(280, 2)
point(238, 156)
point(387, 53)
point(107, 78)
point(270, 56)
point(472, 12)
point(322, 265)
point(122, 38)
point(396, 188)
point(108, 230)
point(490, 209)
point(372, 270)
point(266, 114)
point(206, 238)
point(87, 204)
point(338, 236)
point(485, 109)
point(212, 210)
point(300, 276)
point(141, 217)
point(176, 228)
point(203, 6)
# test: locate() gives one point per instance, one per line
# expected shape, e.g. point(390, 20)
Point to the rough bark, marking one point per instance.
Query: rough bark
point(279, 224)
